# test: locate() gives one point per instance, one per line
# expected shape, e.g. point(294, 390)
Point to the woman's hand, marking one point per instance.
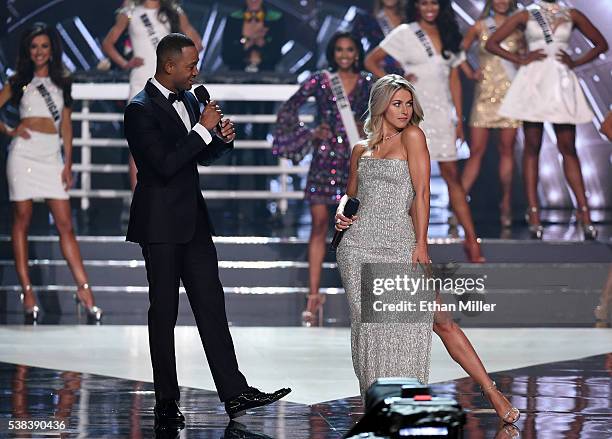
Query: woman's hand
point(20, 131)
point(477, 75)
point(322, 132)
point(134, 62)
point(534, 55)
point(411, 77)
point(420, 254)
point(67, 176)
point(343, 223)
point(563, 57)
point(459, 131)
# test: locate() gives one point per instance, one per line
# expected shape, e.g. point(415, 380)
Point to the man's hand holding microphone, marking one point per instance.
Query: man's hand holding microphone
point(212, 119)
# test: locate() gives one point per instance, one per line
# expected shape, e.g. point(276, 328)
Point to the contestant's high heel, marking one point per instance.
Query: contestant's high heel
point(473, 251)
point(589, 230)
point(30, 313)
point(453, 226)
point(512, 415)
point(308, 316)
point(93, 312)
point(535, 230)
point(508, 431)
point(505, 218)
point(602, 319)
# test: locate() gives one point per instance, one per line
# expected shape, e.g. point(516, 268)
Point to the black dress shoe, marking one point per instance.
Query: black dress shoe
point(250, 399)
point(236, 430)
point(167, 412)
point(168, 431)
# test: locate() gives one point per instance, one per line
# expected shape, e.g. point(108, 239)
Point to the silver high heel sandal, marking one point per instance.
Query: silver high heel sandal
point(505, 218)
point(511, 415)
point(535, 230)
point(30, 314)
point(589, 230)
point(94, 312)
point(315, 317)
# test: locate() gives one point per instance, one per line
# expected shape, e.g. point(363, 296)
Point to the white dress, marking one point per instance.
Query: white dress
point(145, 30)
point(547, 90)
point(34, 166)
point(418, 56)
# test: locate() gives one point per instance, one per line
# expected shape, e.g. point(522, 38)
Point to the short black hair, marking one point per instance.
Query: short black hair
point(171, 44)
point(331, 47)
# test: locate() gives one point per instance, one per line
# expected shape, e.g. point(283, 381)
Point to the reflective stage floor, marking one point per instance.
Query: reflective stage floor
point(97, 381)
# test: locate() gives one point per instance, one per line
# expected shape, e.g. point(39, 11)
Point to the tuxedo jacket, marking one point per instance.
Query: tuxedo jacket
point(167, 195)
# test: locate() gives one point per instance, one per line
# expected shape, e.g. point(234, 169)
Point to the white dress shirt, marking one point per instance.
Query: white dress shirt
point(180, 108)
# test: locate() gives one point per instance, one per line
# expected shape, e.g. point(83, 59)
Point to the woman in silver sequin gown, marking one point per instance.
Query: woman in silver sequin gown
point(384, 233)
point(389, 174)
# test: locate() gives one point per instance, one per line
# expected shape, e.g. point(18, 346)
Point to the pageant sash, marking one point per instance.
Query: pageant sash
point(543, 23)
point(423, 38)
point(152, 34)
point(383, 22)
point(491, 25)
point(344, 108)
point(49, 102)
point(508, 66)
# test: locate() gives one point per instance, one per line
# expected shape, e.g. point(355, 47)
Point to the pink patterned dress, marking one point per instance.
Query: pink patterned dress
point(329, 168)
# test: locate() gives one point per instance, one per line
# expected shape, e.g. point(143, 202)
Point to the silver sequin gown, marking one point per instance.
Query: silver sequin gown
point(383, 232)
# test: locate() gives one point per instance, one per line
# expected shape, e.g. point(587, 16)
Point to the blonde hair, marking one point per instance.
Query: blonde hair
point(488, 9)
point(380, 97)
point(400, 8)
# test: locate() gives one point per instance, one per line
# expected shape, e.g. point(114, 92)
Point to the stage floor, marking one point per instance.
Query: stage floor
point(97, 379)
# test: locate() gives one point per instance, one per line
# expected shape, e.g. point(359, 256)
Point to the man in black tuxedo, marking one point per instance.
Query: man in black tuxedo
point(168, 137)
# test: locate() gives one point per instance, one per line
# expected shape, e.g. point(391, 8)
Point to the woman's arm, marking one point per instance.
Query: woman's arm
point(457, 96)
point(351, 186)
point(374, 60)
point(471, 35)
point(190, 31)
point(108, 44)
point(5, 95)
point(600, 45)
point(419, 166)
point(342, 222)
point(516, 21)
point(292, 139)
point(66, 133)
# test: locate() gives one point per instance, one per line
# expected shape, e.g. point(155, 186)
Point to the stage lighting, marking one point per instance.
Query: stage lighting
point(405, 408)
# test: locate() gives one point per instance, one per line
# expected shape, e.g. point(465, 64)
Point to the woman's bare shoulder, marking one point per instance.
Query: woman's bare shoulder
point(359, 150)
point(412, 133)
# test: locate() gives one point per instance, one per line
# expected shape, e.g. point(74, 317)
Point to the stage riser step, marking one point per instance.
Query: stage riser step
point(130, 251)
point(512, 309)
point(531, 277)
point(61, 275)
point(494, 251)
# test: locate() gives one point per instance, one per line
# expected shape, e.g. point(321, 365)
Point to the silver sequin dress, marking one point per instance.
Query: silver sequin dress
point(383, 232)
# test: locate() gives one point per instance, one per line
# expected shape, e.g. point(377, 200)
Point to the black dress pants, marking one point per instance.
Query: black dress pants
point(195, 263)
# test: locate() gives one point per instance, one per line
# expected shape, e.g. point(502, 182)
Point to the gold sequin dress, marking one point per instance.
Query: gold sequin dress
point(497, 78)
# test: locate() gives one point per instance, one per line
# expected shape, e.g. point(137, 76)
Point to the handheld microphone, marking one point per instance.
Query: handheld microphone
point(350, 209)
point(203, 96)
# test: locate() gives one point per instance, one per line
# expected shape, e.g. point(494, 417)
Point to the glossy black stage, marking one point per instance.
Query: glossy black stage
point(563, 400)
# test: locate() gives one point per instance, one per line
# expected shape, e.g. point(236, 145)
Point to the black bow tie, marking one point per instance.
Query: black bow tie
point(176, 96)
